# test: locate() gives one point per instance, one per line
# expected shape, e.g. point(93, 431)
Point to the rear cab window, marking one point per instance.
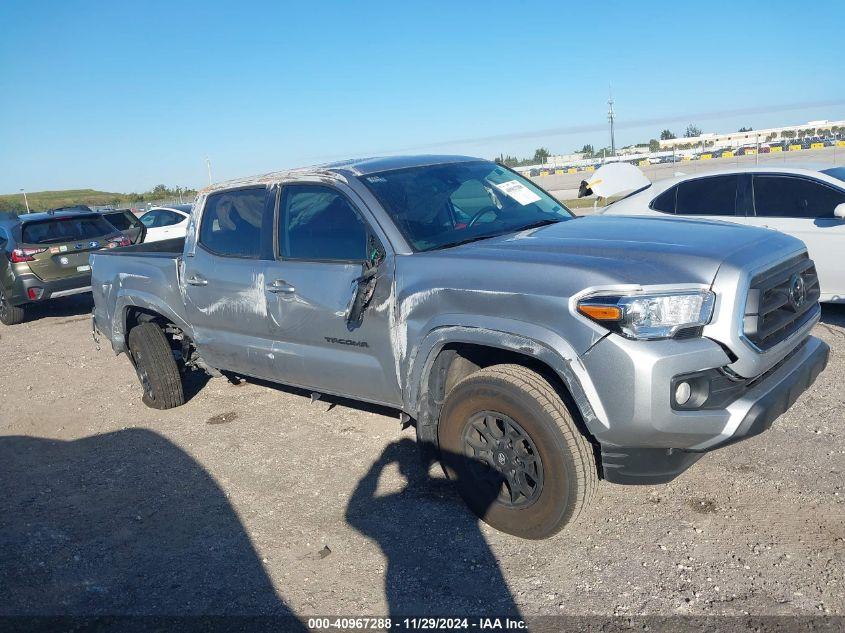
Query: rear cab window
point(66, 229)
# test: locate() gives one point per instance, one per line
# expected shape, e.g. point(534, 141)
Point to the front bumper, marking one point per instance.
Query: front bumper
point(19, 294)
point(645, 441)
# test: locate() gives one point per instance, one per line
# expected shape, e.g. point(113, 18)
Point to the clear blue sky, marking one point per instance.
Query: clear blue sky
point(122, 96)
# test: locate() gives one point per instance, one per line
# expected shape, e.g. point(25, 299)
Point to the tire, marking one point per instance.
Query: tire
point(10, 315)
point(551, 465)
point(157, 370)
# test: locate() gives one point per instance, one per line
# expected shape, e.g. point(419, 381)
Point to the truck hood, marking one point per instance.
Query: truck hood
point(629, 249)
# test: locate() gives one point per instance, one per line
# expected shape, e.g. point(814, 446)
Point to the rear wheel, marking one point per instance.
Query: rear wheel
point(157, 370)
point(508, 441)
point(9, 314)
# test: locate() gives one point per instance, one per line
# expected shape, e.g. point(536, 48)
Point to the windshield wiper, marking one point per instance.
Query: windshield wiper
point(466, 241)
point(533, 225)
point(537, 224)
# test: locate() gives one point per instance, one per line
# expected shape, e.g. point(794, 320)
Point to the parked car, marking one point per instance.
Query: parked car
point(532, 349)
point(166, 223)
point(808, 204)
point(44, 256)
point(127, 223)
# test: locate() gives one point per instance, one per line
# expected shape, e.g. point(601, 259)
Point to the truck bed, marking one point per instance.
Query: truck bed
point(166, 248)
point(142, 276)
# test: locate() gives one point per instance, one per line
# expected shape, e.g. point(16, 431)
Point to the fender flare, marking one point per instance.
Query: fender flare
point(515, 336)
point(127, 299)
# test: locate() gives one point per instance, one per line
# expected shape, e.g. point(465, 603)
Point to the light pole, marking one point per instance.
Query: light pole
point(25, 201)
point(208, 165)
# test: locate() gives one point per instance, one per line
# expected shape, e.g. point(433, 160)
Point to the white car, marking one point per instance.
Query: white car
point(166, 223)
point(806, 203)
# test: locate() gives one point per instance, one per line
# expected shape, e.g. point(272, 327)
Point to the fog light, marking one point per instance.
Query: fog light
point(683, 391)
point(35, 293)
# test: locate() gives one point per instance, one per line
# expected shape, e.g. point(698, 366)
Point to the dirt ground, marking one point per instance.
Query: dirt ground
point(250, 499)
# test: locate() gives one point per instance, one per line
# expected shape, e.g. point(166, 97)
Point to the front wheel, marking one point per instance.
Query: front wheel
point(157, 370)
point(509, 442)
point(9, 314)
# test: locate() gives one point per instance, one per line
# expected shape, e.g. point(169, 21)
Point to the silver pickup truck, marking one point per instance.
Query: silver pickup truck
point(535, 352)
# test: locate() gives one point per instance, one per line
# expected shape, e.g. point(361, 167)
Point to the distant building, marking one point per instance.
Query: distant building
point(767, 135)
point(559, 160)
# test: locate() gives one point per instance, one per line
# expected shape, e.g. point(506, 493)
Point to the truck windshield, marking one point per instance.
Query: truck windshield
point(83, 227)
point(438, 206)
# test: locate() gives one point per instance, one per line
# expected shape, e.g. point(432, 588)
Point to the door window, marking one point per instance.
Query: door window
point(665, 202)
point(319, 223)
point(715, 195)
point(168, 218)
point(791, 197)
point(237, 223)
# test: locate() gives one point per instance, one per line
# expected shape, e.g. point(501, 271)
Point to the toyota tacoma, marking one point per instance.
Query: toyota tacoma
point(534, 351)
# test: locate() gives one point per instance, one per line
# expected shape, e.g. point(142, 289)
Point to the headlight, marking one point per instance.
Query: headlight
point(650, 316)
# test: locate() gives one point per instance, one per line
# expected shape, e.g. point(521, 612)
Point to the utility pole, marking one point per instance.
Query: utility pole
point(610, 117)
point(208, 165)
point(25, 201)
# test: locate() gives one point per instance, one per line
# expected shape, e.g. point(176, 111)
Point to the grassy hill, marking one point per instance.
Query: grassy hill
point(44, 200)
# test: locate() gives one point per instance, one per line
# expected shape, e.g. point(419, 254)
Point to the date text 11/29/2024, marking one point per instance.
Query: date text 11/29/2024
point(418, 624)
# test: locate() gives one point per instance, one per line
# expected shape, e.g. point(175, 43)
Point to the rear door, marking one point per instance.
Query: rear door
point(224, 279)
point(323, 240)
point(803, 207)
point(60, 245)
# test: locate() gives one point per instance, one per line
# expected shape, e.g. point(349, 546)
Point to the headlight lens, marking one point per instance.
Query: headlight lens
point(650, 316)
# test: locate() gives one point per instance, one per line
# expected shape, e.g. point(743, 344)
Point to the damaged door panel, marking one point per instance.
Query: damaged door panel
point(224, 281)
point(324, 244)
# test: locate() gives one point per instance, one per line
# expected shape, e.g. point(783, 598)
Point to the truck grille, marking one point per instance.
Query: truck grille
point(780, 301)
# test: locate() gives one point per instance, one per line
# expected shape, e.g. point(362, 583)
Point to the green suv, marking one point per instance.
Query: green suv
point(44, 256)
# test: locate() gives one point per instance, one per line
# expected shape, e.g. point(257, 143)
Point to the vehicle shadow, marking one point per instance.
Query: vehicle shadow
point(125, 524)
point(833, 314)
point(438, 561)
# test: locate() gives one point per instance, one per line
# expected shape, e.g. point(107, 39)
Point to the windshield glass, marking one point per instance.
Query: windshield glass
point(437, 206)
point(66, 229)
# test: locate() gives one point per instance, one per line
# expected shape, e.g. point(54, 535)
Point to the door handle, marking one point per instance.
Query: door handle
point(197, 280)
point(280, 286)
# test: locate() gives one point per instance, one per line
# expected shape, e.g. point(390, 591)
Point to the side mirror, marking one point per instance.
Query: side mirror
point(365, 285)
point(839, 211)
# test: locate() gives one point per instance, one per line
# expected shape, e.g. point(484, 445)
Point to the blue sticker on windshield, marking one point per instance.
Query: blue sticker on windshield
point(93, 244)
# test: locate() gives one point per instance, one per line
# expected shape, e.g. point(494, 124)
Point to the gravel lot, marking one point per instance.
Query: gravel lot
point(249, 499)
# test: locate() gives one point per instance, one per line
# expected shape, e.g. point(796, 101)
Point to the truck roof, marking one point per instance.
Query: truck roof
point(354, 166)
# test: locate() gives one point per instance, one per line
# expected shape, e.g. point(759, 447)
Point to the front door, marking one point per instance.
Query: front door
point(803, 207)
point(224, 281)
point(323, 243)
